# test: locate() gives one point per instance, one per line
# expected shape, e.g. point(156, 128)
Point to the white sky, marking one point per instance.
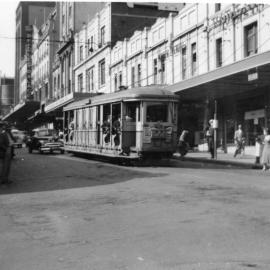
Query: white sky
point(7, 35)
point(7, 31)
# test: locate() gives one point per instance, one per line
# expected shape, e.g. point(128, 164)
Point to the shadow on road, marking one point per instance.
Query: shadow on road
point(37, 173)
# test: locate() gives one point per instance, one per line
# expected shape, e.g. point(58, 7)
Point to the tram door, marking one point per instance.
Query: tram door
point(131, 117)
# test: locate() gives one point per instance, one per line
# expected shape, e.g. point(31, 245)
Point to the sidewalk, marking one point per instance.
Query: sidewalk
point(245, 161)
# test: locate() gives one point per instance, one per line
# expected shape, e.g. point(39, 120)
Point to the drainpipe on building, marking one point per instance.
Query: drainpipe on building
point(207, 36)
point(233, 24)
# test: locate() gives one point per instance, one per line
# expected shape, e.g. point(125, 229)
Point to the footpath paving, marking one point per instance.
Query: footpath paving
point(245, 161)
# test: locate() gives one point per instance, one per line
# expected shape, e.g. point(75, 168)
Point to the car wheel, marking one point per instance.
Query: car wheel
point(30, 150)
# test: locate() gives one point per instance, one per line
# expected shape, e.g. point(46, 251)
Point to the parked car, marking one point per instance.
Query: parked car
point(45, 140)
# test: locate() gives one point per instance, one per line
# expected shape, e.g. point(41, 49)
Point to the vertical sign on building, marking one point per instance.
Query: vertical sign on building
point(28, 62)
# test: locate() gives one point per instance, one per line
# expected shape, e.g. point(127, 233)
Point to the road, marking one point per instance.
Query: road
point(64, 212)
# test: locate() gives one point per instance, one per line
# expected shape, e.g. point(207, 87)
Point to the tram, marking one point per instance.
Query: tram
point(129, 124)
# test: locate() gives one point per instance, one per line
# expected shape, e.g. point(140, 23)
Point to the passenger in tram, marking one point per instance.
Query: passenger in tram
point(106, 126)
point(71, 131)
point(116, 130)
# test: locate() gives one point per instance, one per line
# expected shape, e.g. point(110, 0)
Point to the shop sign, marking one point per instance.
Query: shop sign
point(229, 15)
point(255, 114)
point(252, 76)
point(29, 63)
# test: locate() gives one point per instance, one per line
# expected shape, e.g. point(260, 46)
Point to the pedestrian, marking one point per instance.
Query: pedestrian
point(5, 153)
point(209, 134)
point(239, 141)
point(182, 143)
point(266, 150)
point(259, 147)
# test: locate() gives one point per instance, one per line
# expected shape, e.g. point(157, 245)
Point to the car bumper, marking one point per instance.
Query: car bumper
point(51, 148)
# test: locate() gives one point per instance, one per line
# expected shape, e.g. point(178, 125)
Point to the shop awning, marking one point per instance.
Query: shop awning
point(77, 104)
point(60, 103)
point(235, 78)
point(22, 111)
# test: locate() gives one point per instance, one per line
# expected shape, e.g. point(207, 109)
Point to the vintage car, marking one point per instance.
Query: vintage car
point(45, 140)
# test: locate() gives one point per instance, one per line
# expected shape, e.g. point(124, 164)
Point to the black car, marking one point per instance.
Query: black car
point(45, 140)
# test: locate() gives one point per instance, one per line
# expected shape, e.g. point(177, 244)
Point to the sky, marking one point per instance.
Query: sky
point(7, 32)
point(7, 35)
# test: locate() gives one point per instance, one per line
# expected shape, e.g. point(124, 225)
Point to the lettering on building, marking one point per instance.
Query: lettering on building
point(240, 12)
point(28, 63)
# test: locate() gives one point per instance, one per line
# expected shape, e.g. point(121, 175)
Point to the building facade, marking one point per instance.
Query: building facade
point(6, 95)
point(114, 24)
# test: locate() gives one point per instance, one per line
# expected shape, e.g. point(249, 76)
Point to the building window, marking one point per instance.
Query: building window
point(90, 79)
point(115, 82)
point(155, 71)
point(217, 7)
point(102, 35)
point(162, 68)
point(139, 70)
point(132, 76)
point(88, 46)
point(184, 62)
point(80, 83)
point(102, 72)
point(219, 52)
point(251, 39)
point(120, 78)
point(193, 58)
point(81, 53)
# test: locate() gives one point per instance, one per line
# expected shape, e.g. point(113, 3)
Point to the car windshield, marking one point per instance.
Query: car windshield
point(45, 132)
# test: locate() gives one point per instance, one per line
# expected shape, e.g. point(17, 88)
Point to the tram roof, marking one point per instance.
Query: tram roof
point(147, 92)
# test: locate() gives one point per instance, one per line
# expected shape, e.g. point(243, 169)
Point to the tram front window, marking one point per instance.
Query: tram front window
point(157, 112)
point(131, 111)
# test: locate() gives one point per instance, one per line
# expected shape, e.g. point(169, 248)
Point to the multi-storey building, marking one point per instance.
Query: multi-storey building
point(72, 16)
point(114, 24)
point(27, 15)
point(6, 94)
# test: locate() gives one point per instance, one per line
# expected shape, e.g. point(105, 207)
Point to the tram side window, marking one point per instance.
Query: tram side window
point(157, 113)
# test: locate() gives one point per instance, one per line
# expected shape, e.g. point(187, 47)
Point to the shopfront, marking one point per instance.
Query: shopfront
point(241, 92)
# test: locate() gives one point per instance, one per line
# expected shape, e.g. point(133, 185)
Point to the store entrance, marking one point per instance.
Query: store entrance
point(253, 128)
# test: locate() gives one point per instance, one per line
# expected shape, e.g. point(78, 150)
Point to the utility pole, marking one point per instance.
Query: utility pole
point(215, 126)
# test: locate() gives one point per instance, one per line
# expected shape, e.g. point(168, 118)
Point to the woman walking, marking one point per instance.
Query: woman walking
point(266, 150)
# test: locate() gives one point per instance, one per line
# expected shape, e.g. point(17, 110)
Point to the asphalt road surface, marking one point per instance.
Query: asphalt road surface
point(64, 212)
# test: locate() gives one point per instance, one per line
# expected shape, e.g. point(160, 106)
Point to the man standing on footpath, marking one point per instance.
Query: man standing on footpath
point(238, 140)
point(5, 153)
point(209, 134)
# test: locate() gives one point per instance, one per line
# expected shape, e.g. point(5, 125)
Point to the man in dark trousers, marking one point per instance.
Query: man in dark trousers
point(209, 134)
point(5, 153)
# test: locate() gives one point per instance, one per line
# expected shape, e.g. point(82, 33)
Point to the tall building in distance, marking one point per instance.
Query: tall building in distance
point(27, 14)
point(6, 94)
